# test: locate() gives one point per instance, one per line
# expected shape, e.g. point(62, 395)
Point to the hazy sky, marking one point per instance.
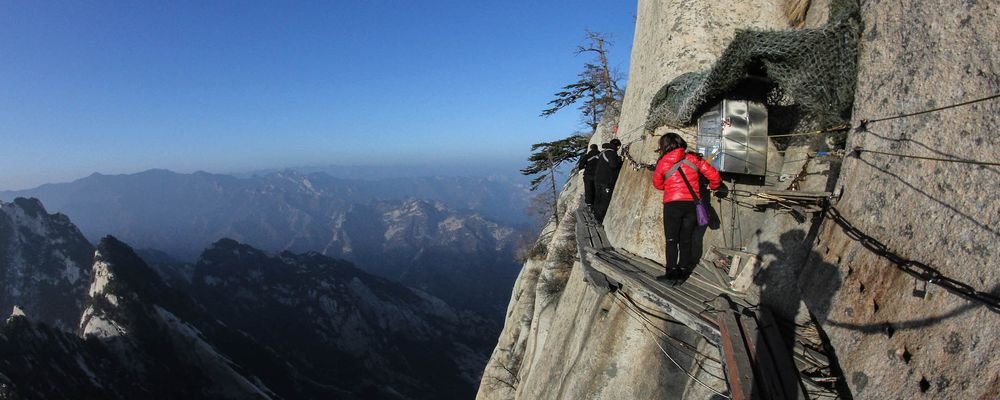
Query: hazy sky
point(120, 87)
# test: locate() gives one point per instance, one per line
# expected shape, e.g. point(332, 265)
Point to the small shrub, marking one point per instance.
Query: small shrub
point(565, 256)
point(551, 284)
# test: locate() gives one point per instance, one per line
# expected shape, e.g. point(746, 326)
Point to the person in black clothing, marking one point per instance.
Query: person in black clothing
point(605, 177)
point(588, 164)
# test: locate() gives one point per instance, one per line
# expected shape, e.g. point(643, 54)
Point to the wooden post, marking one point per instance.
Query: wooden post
point(739, 371)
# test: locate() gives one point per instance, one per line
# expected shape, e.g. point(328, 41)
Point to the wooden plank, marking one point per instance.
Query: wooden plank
point(736, 360)
point(596, 279)
point(583, 237)
point(677, 307)
point(717, 289)
point(766, 377)
point(695, 286)
point(600, 238)
point(712, 275)
point(686, 294)
point(782, 356)
point(694, 304)
point(600, 281)
point(597, 237)
point(585, 244)
point(706, 329)
point(795, 193)
point(679, 299)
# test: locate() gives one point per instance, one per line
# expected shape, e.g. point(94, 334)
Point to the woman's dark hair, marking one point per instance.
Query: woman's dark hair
point(670, 141)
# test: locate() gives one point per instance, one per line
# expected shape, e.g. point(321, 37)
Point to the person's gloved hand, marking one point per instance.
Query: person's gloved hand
point(722, 192)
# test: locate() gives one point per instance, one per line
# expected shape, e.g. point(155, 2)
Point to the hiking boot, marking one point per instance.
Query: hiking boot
point(672, 274)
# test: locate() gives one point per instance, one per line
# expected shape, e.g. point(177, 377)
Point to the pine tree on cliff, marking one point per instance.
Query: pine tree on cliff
point(598, 89)
point(544, 161)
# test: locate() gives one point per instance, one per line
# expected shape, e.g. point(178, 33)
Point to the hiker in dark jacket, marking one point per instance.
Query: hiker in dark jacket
point(605, 177)
point(679, 219)
point(588, 164)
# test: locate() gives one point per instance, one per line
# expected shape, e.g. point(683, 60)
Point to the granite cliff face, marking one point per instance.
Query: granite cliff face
point(894, 334)
point(898, 335)
point(44, 263)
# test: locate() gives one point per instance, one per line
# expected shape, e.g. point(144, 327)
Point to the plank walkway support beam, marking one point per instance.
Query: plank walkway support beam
point(736, 357)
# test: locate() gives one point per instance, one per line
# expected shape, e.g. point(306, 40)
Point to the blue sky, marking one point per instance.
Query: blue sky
point(120, 87)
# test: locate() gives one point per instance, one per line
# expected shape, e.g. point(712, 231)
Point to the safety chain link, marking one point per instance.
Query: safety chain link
point(915, 268)
point(636, 164)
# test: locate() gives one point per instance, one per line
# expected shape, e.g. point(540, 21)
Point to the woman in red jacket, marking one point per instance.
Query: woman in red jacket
point(679, 218)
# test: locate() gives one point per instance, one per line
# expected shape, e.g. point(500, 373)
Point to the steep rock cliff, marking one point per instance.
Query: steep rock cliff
point(891, 339)
point(44, 263)
point(898, 336)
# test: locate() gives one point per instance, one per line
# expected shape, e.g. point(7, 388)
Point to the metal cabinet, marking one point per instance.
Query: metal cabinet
point(733, 135)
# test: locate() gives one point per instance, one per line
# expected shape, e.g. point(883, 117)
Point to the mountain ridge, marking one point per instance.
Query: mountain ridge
point(409, 230)
point(139, 337)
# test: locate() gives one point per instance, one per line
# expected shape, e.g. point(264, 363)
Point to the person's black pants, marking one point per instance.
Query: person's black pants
point(602, 199)
point(679, 223)
point(588, 190)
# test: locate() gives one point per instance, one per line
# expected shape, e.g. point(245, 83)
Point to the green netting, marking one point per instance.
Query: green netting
point(813, 70)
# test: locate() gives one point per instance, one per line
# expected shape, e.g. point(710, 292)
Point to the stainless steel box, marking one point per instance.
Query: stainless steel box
point(733, 135)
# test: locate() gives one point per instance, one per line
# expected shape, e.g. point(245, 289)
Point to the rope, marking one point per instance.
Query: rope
point(646, 327)
point(639, 165)
point(838, 128)
point(636, 164)
point(657, 343)
point(637, 310)
point(864, 122)
point(859, 150)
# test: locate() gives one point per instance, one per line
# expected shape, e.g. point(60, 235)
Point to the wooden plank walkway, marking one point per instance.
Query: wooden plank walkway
point(758, 364)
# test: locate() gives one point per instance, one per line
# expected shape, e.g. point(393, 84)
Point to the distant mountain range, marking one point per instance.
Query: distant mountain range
point(454, 237)
point(99, 323)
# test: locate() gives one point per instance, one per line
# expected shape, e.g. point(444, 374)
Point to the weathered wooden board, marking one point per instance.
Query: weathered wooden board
point(679, 307)
point(736, 358)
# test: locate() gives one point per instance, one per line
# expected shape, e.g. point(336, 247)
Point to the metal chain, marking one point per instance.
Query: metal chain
point(915, 268)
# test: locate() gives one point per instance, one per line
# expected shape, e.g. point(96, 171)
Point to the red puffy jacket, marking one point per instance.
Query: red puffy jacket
point(673, 186)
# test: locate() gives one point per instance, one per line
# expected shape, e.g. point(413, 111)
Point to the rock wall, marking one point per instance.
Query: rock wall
point(892, 342)
point(671, 38)
point(570, 341)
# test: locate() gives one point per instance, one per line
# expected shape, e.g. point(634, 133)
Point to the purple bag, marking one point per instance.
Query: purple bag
point(701, 212)
point(699, 208)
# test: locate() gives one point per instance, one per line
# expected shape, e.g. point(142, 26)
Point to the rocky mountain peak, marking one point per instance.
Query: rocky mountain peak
point(17, 312)
point(31, 206)
point(117, 271)
point(129, 273)
point(33, 218)
point(44, 263)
